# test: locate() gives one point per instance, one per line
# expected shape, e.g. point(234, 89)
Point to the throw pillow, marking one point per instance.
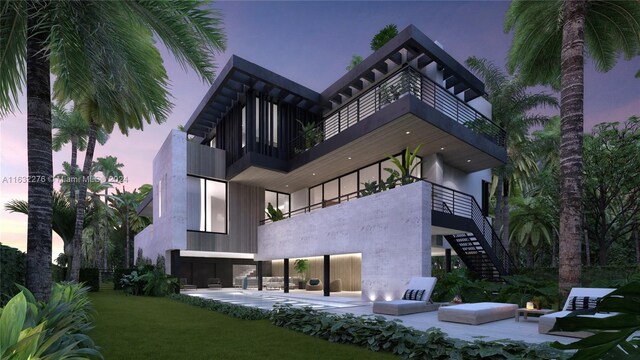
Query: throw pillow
point(413, 294)
point(583, 303)
point(314, 282)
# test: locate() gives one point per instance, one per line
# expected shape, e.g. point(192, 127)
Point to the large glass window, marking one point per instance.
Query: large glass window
point(331, 192)
point(206, 205)
point(277, 200)
point(368, 174)
point(315, 197)
point(387, 164)
point(244, 126)
point(348, 186)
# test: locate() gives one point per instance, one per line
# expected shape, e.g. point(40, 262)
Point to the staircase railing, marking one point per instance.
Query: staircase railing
point(457, 203)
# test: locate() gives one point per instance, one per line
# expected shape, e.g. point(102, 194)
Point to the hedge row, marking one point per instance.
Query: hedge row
point(12, 271)
point(237, 311)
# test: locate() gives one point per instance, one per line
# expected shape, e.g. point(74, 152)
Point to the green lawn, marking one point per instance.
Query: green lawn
point(136, 327)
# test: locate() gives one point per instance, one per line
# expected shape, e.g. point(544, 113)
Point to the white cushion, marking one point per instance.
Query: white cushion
point(582, 292)
point(426, 283)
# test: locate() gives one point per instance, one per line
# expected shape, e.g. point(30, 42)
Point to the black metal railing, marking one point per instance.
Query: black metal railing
point(403, 82)
point(457, 203)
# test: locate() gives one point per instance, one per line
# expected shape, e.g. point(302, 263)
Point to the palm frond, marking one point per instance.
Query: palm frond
point(13, 52)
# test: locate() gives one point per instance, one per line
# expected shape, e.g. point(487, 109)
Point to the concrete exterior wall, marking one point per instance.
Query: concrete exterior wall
point(467, 183)
point(169, 229)
point(392, 231)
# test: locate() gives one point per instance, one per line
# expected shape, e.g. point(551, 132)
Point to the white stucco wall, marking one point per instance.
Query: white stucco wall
point(169, 231)
point(392, 231)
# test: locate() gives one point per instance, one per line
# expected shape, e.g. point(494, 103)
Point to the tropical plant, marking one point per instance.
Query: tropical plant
point(149, 280)
point(355, 61)
point(532, 224)
point(301, 266)
point(56, 329)
point(125, 204)
point(311, 133)
point(383, 36)
point(103, 56)
point(405, 166)
point(612, 335)
point(72, 129)
point(111, 173)
point(611, 187)
point(274, 214)
point(549, 48)
point(512, 106)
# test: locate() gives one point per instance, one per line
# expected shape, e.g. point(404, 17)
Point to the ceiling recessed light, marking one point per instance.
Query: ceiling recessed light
point(349, 158)
point(442, 148)
point(468, 160)
point(408, 132)
point(286, 186)
point(314, 174)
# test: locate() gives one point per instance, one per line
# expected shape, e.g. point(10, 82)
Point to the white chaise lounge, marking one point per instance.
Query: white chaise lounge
point(478, 313)
point(546, 322)
point(404, 307)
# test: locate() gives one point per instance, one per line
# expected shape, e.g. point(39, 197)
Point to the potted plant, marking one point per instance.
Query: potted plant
point(311, 133)
point(301, 266)
point(274, 214)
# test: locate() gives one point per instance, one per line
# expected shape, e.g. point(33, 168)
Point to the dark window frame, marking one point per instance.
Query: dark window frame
point(226, 205)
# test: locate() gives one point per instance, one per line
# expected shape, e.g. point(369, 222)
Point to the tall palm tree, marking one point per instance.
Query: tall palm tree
point(126, 203)
point(550, 41)
point(99, 49)
point(512, 106)
point(533, 225)
point(111, 173)
point(72, 129)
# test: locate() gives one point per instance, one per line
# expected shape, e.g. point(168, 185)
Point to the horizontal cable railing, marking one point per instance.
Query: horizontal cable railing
point(403, 82)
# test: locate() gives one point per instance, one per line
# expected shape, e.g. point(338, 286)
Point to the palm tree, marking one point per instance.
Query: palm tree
point(110, 169)
point(102, 50)
point(549, 48)
point(126, 203)
point(72, 129)
point(532, 224)
point(512, 104)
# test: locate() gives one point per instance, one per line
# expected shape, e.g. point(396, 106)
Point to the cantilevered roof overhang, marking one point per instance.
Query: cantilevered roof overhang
point(237, 76)
point(417, 48)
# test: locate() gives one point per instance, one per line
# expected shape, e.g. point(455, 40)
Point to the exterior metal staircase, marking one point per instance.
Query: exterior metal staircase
point(476, 243)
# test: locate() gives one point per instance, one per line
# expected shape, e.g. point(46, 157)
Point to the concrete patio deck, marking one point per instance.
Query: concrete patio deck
point(351, 302)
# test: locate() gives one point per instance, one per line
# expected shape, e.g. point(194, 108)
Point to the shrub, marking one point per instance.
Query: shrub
point(149, 280)
point(117, 276)
point(52, 330)
point(378, 334)
point(12, 271)
point(58, 273)
point(237, 311)
point(91, 277)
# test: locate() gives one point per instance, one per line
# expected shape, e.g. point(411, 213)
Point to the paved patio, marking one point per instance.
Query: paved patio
point(351, 302)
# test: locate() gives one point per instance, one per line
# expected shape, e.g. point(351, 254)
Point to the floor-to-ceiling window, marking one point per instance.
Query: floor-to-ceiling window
point(206, 205)
point(278, 200)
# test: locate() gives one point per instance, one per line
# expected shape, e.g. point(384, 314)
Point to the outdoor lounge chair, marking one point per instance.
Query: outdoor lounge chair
point(214, 283)
point(314, 285)
point(423, 287)
point(478, 313)
point(575, 301)
point(185, 286)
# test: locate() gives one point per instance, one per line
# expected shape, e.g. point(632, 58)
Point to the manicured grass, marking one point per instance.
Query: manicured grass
point(136, 327)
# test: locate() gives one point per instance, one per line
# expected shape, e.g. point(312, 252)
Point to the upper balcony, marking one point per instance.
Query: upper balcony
point(405, 81)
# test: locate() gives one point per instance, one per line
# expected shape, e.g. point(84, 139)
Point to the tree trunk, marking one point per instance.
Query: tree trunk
point(39, 157)
point(96, 248)
point(505, 214)
point(498, 211)
point(571, 132)
point(602, 255)
point(81, 203)
point(587, 245)
point(74, 166)
point(128, 250)
point(554, 249)
point(106, 228)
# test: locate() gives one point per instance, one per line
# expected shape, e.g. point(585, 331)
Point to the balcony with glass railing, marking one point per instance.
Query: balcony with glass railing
point(404, 82)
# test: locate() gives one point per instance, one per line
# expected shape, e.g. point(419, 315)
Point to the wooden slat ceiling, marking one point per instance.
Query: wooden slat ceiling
point(388, 140)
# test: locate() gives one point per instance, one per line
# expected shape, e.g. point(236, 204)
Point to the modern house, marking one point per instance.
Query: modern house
point(258, 138)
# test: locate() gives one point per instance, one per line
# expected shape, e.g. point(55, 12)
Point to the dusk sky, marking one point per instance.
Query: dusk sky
point(310, 43)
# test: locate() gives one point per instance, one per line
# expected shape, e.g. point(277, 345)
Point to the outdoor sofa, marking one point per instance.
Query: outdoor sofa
point(579, 299)
point(478, 313)
point(415, 299)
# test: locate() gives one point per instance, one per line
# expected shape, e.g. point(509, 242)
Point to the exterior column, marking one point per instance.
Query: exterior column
point(327, 275)
point(175, 266)
point(286, 275)
point(447, 260)
point(259, 270)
